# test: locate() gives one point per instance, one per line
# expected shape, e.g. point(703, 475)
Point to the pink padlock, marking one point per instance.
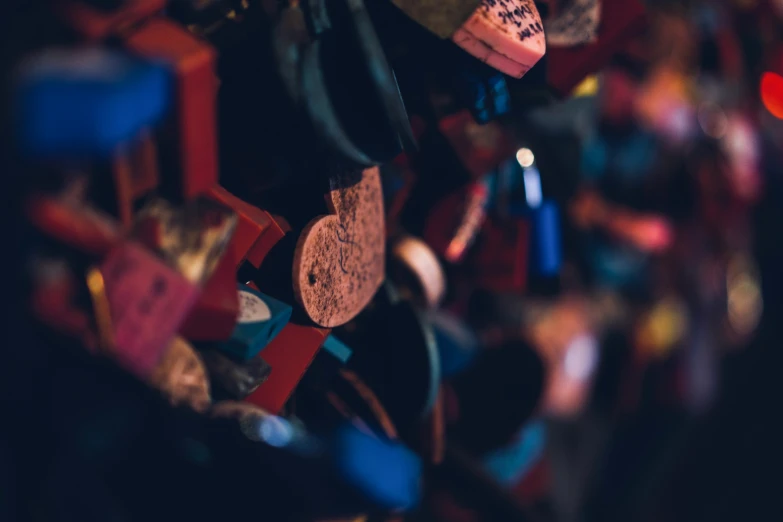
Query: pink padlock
point(148, 300)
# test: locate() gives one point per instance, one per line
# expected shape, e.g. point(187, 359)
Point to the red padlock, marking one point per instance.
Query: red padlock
point(289, 355)
point(194, 123)
point(73, 223)
point(257, 230)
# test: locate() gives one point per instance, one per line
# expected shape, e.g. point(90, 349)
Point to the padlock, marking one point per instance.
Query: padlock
point(289, 365)
point(544, 252)
point(484, 92)
point(83, 104)
point(147, 301)
point(150, 291)
point(192, 128)
point(342, 473)
point(546, 249)
point(508, 35)
point(339, 259)
point(355, 450)
point(260, 320)
point(257, 231)
point(92, 109)
point(73, 223)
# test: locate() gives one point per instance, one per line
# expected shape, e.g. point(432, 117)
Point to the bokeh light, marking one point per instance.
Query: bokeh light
point(772, 93)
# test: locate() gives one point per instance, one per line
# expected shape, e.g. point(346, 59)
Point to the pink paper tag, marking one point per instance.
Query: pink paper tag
point(148, 302)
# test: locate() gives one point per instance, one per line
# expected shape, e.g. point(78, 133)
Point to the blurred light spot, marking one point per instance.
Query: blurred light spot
point(712, 120)
point(663, 327)
point(588, 87)
point(745, 302)
point(772, 93)
point(581, 357)
point(679, 123)
point(741, 144)
point(472, 220)
point(534, 194)
point(275, 431)
point(525, 157)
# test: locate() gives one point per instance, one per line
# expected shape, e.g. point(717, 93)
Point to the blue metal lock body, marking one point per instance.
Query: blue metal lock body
point(544, 215)
point(385, 471)
point(84, 103)
point(546, 251)
point(480, 88)
point(260, 320)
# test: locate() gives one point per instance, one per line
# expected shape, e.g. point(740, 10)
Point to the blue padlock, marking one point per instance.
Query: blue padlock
point(385, 471)
point(83, 103)
point(260, 319)
point(483, 90)
point(546, 248)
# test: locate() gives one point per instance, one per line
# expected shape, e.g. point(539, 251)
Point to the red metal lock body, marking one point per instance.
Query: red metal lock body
point(257, 230)
point(289, 355)
point(193, 125)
